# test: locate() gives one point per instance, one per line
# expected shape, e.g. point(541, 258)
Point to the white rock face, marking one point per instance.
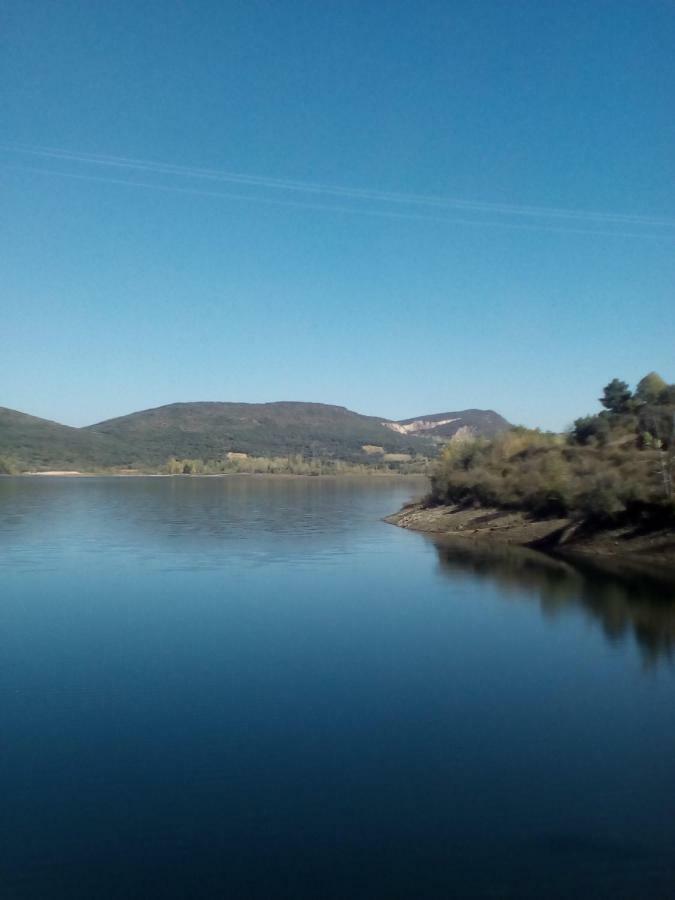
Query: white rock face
point(418, 425)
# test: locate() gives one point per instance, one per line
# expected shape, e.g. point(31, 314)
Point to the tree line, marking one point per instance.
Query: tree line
point(648, 413)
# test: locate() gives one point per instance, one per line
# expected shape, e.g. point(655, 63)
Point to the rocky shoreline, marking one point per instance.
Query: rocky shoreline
point(560, 536)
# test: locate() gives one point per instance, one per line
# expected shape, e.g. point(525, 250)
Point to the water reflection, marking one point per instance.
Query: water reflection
point(255, 688)
point(624, 599)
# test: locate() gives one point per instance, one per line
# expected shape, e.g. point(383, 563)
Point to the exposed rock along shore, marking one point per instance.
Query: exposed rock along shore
point(508, 527)
point(554, 535)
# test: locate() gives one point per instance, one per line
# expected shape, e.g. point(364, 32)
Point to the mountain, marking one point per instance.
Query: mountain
point(211, 430)
point(483, 422)
point(34, 443)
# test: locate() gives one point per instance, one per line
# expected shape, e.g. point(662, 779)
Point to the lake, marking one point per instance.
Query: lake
point(252, 687)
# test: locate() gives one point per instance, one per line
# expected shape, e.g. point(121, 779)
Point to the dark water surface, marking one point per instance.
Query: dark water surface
point(253, 688)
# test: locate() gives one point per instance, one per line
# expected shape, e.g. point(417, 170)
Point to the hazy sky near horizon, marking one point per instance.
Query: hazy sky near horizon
point(401, 207)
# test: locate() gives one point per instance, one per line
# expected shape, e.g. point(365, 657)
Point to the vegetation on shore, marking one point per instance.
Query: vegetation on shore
point(617, 465)
point(8, 466)
point(295, 464)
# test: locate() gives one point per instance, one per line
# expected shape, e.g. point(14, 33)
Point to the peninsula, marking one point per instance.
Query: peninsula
point(604, 487)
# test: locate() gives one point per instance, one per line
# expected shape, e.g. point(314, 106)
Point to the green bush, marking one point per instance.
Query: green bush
point(7, 466)
point(546, 476)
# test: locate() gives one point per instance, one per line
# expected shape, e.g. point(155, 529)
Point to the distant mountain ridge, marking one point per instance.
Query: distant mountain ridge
point(211, 430)
point(417, 425)
point(484, 422)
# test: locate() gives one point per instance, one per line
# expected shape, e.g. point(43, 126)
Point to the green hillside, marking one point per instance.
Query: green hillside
point(28, 442)
point(209, 431)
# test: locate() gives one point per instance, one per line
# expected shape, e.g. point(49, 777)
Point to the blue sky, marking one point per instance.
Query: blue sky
point(496, 225)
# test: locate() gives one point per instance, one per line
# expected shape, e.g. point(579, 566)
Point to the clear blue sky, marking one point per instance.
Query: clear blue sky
point(427, 284)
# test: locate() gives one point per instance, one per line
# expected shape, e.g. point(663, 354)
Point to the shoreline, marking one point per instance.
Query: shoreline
point(73, 474)
point(555, 537)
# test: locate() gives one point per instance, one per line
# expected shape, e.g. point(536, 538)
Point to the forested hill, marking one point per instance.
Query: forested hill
point(28, 442)
point(209, 431)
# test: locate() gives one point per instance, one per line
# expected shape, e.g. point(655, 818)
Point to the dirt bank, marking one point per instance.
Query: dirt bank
point(558, 536)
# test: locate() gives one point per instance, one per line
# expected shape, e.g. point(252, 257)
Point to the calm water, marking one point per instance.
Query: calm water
point(253, 688)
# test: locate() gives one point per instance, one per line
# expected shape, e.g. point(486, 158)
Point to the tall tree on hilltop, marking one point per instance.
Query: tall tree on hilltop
point(616, 396)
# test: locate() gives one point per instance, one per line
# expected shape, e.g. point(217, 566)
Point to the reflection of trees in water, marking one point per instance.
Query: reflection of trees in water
point(623, 598)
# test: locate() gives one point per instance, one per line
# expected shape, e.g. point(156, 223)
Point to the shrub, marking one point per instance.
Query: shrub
point(7, 466)
point(541, 474)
